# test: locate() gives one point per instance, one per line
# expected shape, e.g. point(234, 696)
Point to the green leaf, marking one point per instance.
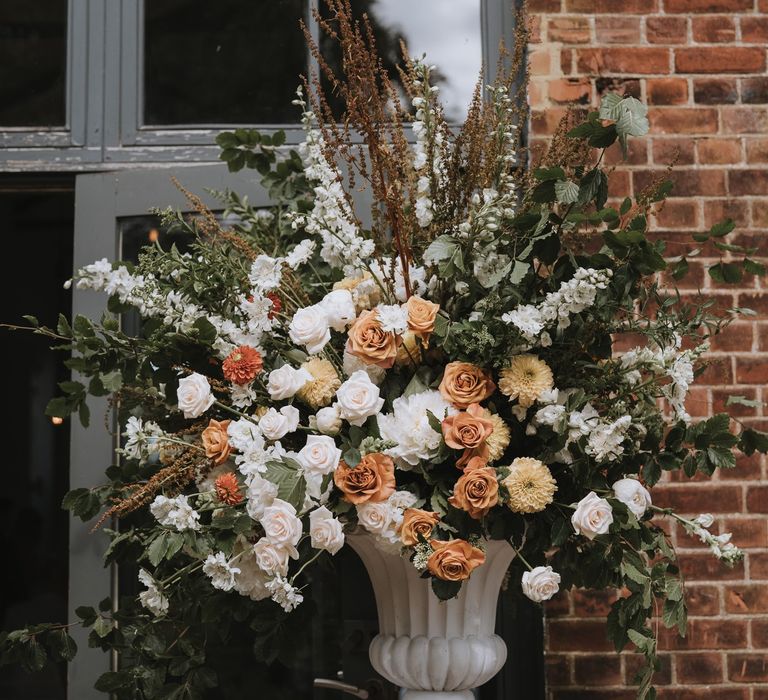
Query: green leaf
point(743, 401)
point(633, 118)
point(445, 590)
point(567, 192)
point(113, 680)
point(728, 273)
point(722, 228)
point(286, 475)
point(751, 441)
point(626, 205)
point(113, 380)
point(519, 271)
point(87, 614)
point(157, 550)
point(561, 531)
point(754, 268)
point(206, 332)
point(544, 174)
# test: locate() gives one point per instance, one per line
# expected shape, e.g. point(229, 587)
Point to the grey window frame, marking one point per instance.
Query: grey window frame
point(101, 200)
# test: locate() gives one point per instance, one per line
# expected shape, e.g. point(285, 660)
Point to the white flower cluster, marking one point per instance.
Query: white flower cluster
point(284, 593)
point(141, 438)
point(574, 296)
point(266, 272)
point(720, 545)
point(175, 512)
point(383, 519)
point(152, 599)
point(221, 571)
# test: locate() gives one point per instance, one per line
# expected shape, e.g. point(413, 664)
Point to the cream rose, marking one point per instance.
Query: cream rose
point(281, 526)
point(632, 494)
point(285, 381)
point(309, 327)
point(276, 424)
point(325, 531)
point(358, 398)
point(194, 395)
point(541, 583)
point(328, 420)
point(339, 309)
point(593, 516)
point(272, 559)
point(377, 518)
point(320, 454)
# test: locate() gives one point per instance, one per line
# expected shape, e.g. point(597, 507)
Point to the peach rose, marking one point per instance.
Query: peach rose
point(370, 343)
point(454, 560)
point(467, 429)
point(464, 384)
point(372, 480)
point(416, 522)
point(421, 317)
point(476, 492)
point(216, 441)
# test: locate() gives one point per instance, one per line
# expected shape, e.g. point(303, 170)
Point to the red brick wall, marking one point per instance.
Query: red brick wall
point(701, 66)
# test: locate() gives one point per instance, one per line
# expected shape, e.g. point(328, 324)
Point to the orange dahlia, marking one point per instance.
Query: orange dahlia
point(228, 490)
point(242, 365)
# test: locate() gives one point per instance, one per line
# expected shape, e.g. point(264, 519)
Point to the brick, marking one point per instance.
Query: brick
point(557, 669)
point(714, 30)
point(592, 603)
point(683, 6)
point(754, 90)
point(634, 662)
point(667, 91)
point(702, 600)
point(710, 693)
point(744, 182)
point(687, 183)
point(707, 634)
point(628, 87)
point(540, 61)
point(747, 468)
point(754, 30)
point(715, 91)
point(757, 499)
point(595, 670)
point(700, 498)
point(702, 566)
point(752, 370)
point(747, 599)
point(678, 214)
point(755, 301)
point(717, 372)
point(745, 120)
point(738, 336)
point(544, 5)
point(637, 153)
point(577, 635)
point(666, 30)
point(591, 694)
point(699, 668)
point(571, 90)
point(594, 7)
point(614, 29)
point(683, 120)
point(534, 29)
point(634, 61)
point(731, 59)
point(720, 400)
point(716, 210)
point(760, 219)
point(718, 151)
point(679, 151)
point(566, 61)
point(568, 30)
point(559, 605)
point(748, 668)
point(760, 634)
point(758, 563)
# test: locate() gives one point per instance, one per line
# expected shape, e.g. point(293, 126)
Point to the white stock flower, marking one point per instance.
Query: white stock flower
point(281, 526)
point(152, 599)
point(309, 327)
point(244, 435)
point(220, 571)
point(593, 516)
point(140, 438)
point(175, 512)
point(194, 395)
point(285, 381)
point(327, 420)
point(358, 398)
point(272, 559)
point(706, 520)
point(392, 317)
point(605, 440)
point(633, 494)
point(339, 309)
point(284, 594)
point(276, 424)
point(300, 254)
point(541, 583)
point(265, 273)
point(325, 531)
point(319, 455)
point(260, 494)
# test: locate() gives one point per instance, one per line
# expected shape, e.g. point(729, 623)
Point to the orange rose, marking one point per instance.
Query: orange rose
point(416, 522)
point(467, 429)
point(476, 492)
point(421, 317)
point(373, 479)
point(454, 560)
point(216, 441)
point(464, 384)
point(370, 343)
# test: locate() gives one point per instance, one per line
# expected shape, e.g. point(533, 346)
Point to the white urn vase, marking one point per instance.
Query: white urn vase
point(435, 650)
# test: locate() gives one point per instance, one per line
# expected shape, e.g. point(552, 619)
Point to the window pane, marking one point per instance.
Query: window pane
point(33, 62)
point(33, 527)
point(222, 61)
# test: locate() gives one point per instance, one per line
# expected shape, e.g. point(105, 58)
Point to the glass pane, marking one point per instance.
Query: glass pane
point(33, 62)
point(448, 32)
point(222, 62)
point(33, 527)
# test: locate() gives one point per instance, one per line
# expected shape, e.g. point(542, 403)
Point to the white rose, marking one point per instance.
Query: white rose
point(285, 381)
point(375, 517)
point(325, 531)
point(271, 559)
point(633, 494)
point(276, 424)
point(309, 327)
point(358, 398)
point(339, 309)
point(352, 363)
point(541, 583)
point(194, 395)
point(593, 516)
point(281, 526)
point(320, 455)
point(260, 495)
point(328, 420)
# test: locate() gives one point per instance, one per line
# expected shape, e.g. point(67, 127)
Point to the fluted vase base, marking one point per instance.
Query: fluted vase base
point(435, 650)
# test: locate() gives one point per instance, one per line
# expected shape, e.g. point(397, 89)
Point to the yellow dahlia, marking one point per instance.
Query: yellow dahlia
point(321, 389)
point(530, 486)
point(498, 440)
point(525, 379)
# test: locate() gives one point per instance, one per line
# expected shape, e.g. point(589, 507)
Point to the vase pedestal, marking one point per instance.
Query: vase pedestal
point(435, 650)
